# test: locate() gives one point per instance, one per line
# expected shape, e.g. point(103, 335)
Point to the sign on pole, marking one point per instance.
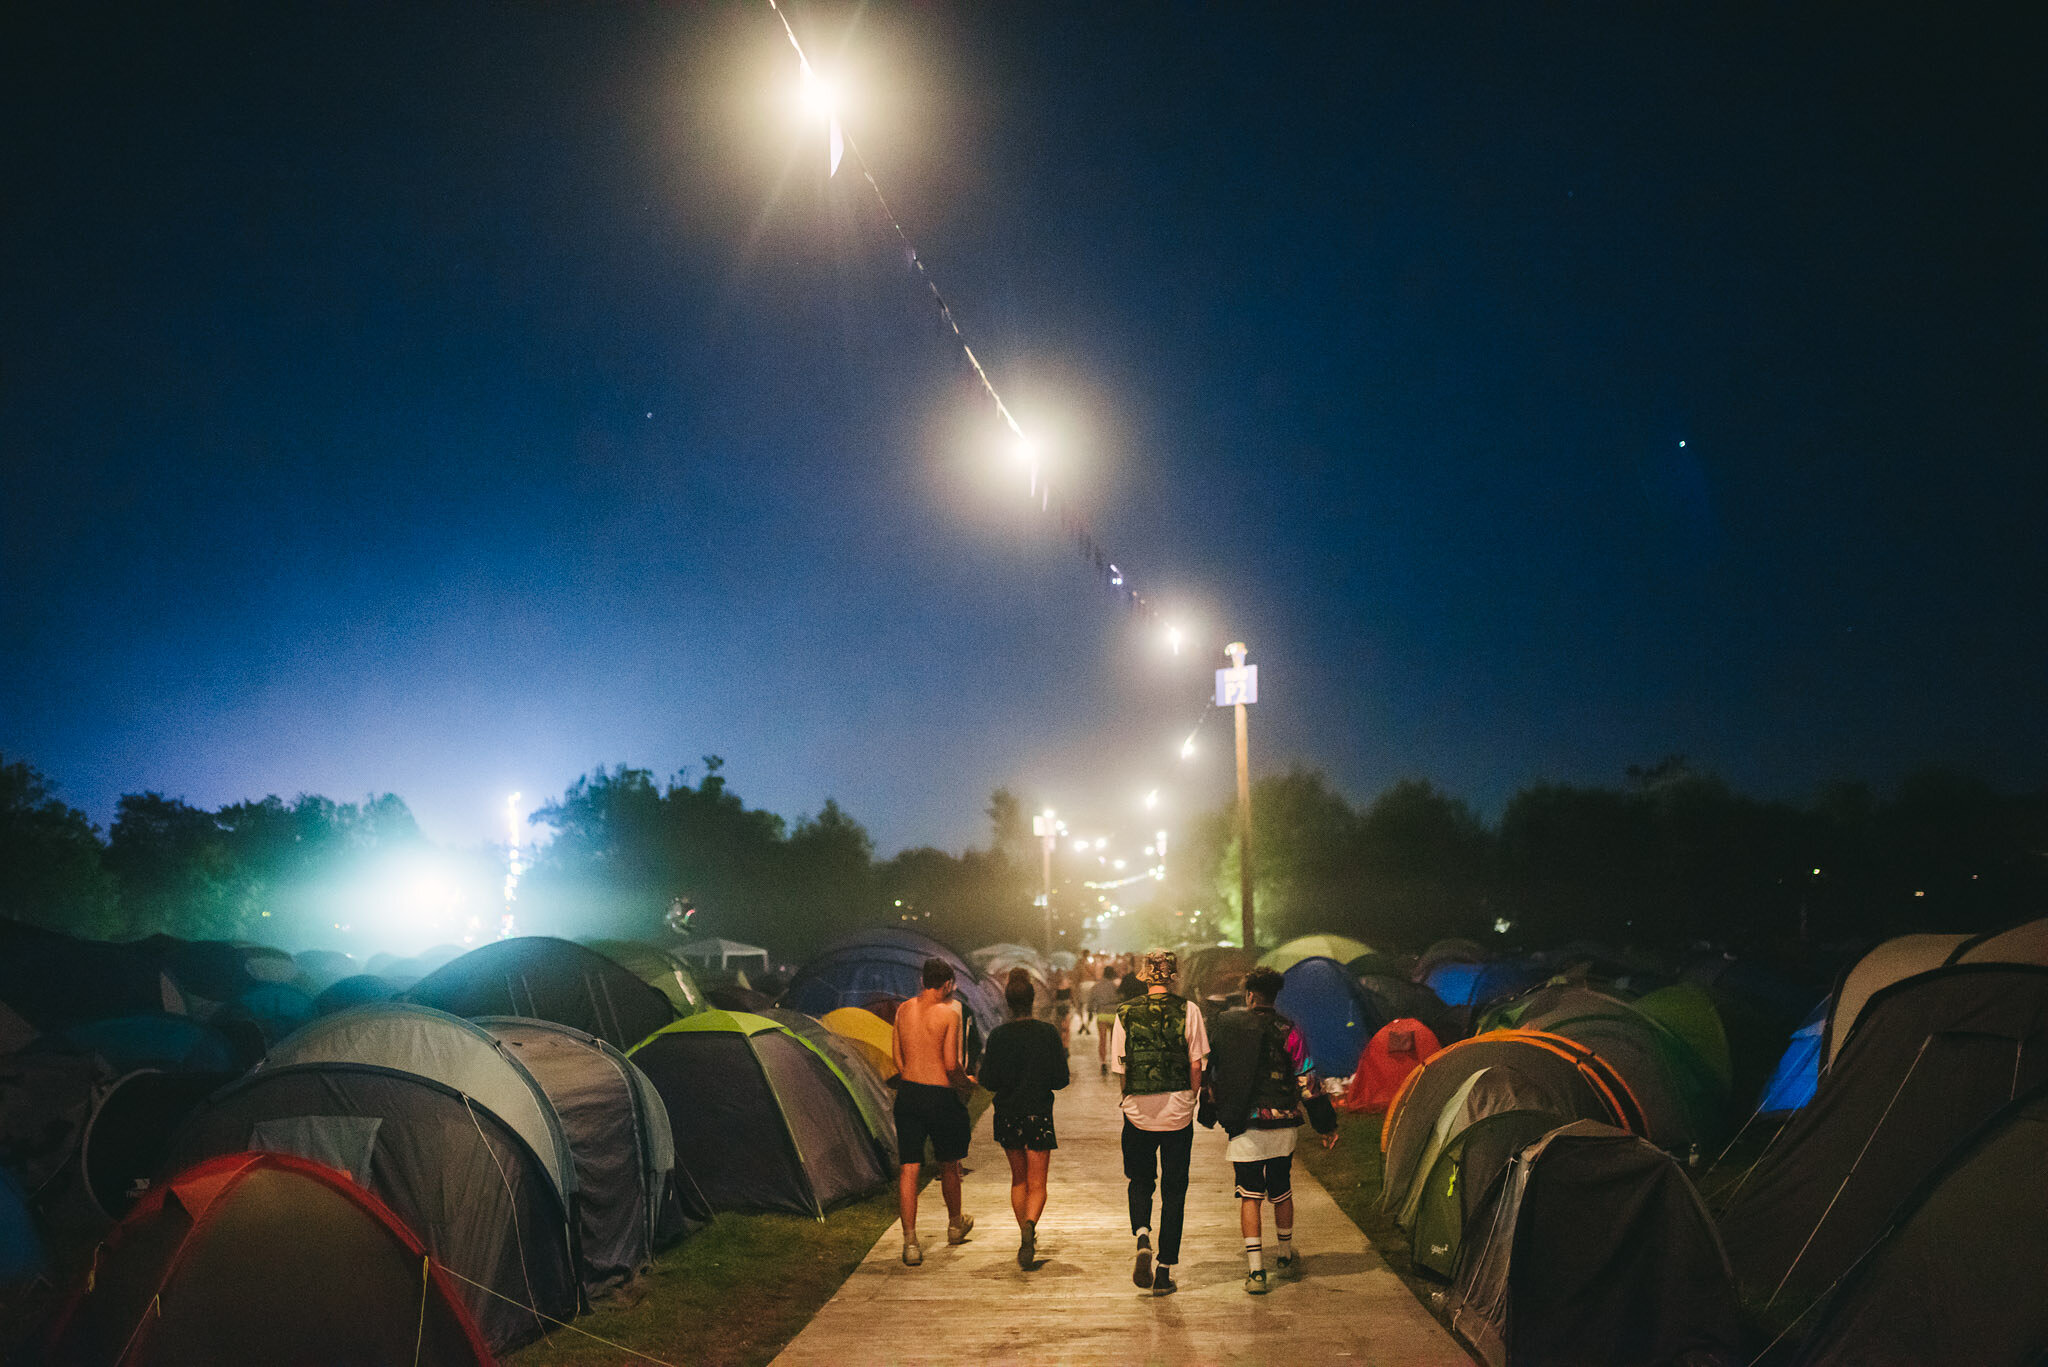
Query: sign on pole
point(1234, 686)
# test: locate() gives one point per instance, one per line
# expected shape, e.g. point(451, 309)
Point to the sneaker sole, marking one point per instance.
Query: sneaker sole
point(1142, 1277)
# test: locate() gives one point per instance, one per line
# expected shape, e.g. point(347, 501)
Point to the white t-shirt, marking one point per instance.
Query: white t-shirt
point(1162, 1110)
point(1255, 1146)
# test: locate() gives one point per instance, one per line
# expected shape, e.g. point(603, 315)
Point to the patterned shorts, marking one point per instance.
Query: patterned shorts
point(1025, 1132)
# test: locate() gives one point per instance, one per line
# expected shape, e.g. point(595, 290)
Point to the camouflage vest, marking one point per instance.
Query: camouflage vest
point(1155, 1044)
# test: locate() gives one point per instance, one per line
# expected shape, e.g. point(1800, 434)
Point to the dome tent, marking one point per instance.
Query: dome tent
point(888, 963)
point(630, 1200)
point(122, 1151)
point(762, 1119)
point(1931, 1058)
point(659, 969)
point(1651, 1286)
point(1395, 1050)
point(873, 1036)
point(1342, 948)
point(1908, 956)
point(256, 1257)
point(1332, 1011)
point(459, 1177)
point(542, 978)
point(1552, 1073)
point(877, 1103)
point(457, 1053)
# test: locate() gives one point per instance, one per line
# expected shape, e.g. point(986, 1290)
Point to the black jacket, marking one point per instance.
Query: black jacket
point(1237, 1040)
point(1024, 1063)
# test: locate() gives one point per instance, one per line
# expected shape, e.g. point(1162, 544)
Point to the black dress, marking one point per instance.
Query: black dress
point(1024, 1063)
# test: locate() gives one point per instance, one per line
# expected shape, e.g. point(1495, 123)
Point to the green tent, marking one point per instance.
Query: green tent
point(763, 1119)
point(657, 968)
point(1457, 1181)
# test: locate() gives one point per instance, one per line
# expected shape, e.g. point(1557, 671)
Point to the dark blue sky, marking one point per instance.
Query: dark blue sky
point(449, 399)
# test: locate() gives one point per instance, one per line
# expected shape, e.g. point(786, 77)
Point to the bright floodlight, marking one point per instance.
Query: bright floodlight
point(1173, 639)
point(1187, 748)
point(821, 97)
point(1151, 799)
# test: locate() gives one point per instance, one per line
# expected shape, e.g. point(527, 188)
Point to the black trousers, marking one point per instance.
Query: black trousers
point(1159, 1158)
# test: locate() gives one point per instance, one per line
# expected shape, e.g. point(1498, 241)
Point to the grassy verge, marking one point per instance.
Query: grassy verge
point(733, 1294)
point(1353, 1175)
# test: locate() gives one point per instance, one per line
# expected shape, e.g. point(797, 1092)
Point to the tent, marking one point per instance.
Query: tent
point(45, 1101)
point(255, 1257)
point(22, 1256)
point(276, 1009)
point(726, 956)
point(123, 1148)
point(359, 990)
point(1396, 1049)
point(1342, 948)
point(1593, 1247)
point(873, 1036)
point(543, 978)
point(888, 963)
point(659, 969)
point(1684, 1097)
point(1909, 955)
point(1332, 1011)
point(1548, 1073)
point(1215, 972)
point(457, 1175)
point(1798, 1071)
point(762, 1120)
point(320, 969)
point(52, 980)
point(877, 1103)
point(1931, 1058)
point(1474, 1153)
point(629, 1198)
point(157, 1040)
point(459, 1054)
point(1958, 1275)
point(1396, 997)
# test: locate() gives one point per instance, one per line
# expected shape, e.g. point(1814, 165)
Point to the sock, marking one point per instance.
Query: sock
point(1286, 1242)
point(1252, 1254)
point(1144, 1238)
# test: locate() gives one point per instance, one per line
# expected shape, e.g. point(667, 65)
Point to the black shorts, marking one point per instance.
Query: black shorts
point(1025, 1131)
point(935, 1113)
point(1269, 1179)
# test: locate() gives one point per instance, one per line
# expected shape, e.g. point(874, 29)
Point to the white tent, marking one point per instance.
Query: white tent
point(725, 955)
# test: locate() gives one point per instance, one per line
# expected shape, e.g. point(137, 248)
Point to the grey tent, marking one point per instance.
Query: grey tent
point(460, 1178)
point(1932, 1057)
point(457, 1053)
point(1908, 956)
point(629, 1197)
point(543, 978)
point(124, 1144)
point(762, 1119)
point(1592, 1247)
point(877, 1103)
point(1958, 1276)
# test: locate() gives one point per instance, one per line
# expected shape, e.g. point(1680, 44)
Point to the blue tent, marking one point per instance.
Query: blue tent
point(1336, 1016)
point(1463, 982)
point(21, 1247)
point(177, 1043)
point(1798, 1072)
point(887, 963)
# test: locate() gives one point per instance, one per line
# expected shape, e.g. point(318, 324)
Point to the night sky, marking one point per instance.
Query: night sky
point(448, 399)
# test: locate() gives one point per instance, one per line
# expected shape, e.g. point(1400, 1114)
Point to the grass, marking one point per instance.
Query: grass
point(1354, 1176)
point(733, 1294)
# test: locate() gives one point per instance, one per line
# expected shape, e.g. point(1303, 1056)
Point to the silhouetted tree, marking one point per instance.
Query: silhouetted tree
point(51, 869)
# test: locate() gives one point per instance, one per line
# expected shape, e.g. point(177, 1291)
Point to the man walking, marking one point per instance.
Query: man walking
point(931, 1064)
point(1158, 1047)
point(1262, 1081)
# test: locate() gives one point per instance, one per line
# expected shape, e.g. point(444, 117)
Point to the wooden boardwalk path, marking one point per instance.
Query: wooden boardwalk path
point(973, 1304)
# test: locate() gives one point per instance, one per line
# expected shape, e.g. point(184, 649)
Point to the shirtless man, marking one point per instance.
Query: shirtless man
point(931, 1063)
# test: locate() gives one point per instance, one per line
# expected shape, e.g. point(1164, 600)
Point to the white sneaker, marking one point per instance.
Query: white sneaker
point(912, 1254)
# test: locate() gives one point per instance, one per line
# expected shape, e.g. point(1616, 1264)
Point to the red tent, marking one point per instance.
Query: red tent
point(262, 1257)
point(1400, 1047)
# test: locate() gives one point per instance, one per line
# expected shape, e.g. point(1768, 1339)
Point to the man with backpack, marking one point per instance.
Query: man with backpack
point(1262, 1082)
point(1158, 1047)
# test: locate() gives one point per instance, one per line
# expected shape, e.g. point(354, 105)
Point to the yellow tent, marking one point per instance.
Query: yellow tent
point(1342, 948)
point(868, 1030)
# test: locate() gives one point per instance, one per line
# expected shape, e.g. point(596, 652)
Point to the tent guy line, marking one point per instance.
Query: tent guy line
point(564, 1324)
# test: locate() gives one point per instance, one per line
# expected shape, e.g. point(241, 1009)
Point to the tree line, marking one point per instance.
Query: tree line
point(1666, 859)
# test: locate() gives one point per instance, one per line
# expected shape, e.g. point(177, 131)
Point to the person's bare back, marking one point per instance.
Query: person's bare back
point(928, 1040)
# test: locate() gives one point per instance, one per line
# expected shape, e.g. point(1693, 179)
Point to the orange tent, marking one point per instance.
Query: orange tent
point(1398, 1049)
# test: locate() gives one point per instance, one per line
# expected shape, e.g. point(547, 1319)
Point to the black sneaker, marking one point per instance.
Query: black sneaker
point(1027, 1245)
point(1163, 1283)
point(1141, 1276)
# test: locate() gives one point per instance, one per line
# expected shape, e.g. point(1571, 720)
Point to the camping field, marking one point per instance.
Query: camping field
point(732, 1294)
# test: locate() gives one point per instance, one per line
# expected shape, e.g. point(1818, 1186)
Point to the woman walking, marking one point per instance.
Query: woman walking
point(1024, 1063)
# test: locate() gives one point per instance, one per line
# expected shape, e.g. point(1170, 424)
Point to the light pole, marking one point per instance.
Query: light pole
point(1046, 828)
point(1236, 687)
